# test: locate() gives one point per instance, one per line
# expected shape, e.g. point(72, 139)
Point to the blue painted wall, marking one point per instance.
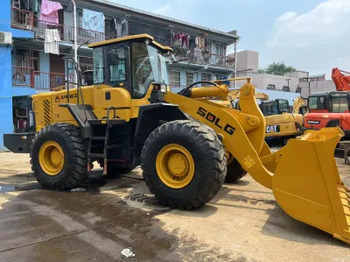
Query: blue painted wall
point(6, 89)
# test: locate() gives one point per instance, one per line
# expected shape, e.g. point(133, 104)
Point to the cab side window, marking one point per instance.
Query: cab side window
point(116, 65)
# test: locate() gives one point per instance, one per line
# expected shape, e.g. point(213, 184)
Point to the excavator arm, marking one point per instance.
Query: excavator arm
point(341, 79)
point(302, 175)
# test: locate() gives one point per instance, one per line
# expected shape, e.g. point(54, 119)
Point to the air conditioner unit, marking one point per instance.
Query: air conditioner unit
point(5, 38)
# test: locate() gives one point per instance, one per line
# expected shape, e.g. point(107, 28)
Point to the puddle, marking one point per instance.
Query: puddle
point(4, 189)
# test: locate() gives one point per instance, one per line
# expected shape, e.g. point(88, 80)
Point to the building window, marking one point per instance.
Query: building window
point(286, 89)
point(271, 87)
point(298, 90)
point(219, 50)
point(175, 78)
point(28, 58)
point(206, 77)
point(189, 78)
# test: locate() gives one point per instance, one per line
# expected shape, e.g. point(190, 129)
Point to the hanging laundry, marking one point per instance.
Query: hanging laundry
point(51, 44)
point(49, 11)
point(93, 21)
point(35, 6)
point(192, 42)
point(125, 27)
point(25, 5)
point(184, 41)
point(113, 25)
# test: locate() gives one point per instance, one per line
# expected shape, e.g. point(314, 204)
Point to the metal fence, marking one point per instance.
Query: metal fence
point(27, 77)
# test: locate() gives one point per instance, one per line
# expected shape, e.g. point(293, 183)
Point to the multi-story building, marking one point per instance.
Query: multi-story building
point(43, 34)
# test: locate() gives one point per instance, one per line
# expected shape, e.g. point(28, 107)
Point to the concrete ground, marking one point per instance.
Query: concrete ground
point(242, 223)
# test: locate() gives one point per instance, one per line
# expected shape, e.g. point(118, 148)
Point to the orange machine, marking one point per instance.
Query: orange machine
point(330, 109)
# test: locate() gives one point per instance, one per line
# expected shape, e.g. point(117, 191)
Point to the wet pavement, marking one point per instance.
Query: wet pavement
point(95, 223)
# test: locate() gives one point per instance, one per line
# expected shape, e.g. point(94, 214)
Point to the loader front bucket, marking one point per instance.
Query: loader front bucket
point(307, 186)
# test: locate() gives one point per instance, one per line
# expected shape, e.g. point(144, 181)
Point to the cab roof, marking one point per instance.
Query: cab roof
point(130, 38)
point(327, 93)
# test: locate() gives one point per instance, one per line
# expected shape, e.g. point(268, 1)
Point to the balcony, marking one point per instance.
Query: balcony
point(26, 20)
point(45, 81)
point(203, 58)
point(22, 19)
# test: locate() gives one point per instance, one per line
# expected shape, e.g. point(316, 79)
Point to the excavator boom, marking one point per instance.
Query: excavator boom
point(341, 79)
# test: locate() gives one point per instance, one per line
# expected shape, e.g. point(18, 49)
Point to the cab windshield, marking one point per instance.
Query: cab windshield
point(269, 108)
point(275, 107)
point(149, 65)
point(317, 103)
point(283, 105)
point(339, 103)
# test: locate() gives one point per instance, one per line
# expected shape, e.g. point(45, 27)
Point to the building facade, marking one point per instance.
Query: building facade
point(43, 35)
point(299, 82)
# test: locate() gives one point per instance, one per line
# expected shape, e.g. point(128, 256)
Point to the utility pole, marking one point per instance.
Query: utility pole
point(75, 45)
point(235, 65)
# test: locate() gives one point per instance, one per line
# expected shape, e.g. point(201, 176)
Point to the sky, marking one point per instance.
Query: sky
point(311, 35)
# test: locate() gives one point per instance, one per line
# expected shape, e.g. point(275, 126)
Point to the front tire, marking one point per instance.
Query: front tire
point(183, 164)
point(58, 157)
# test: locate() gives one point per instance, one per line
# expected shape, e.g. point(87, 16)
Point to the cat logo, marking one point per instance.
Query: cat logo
point(57, 99)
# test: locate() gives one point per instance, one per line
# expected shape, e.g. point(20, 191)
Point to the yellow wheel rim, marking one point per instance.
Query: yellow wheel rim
point(51, 158)
point(175, 166)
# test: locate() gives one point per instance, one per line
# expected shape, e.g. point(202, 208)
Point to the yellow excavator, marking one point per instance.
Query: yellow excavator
point(186, 145)
point(281, 125)
point(300, 106)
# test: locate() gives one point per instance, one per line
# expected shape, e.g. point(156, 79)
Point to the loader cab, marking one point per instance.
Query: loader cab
point(275, 107)
point(329, 102)
point(132, 63)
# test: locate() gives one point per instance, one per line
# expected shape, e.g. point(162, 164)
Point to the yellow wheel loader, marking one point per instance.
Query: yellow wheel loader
point(182, 141)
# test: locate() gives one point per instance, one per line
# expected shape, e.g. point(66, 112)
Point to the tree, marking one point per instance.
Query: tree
point(277, 69)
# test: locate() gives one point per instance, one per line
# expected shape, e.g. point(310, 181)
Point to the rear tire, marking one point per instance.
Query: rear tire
point(67, 138)
point(202, 148)
point(234, 169)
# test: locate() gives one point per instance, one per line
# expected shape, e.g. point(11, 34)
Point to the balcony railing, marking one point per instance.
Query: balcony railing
point(27, 77)
point(67, 33)
point(203, 57)
point(23, 19)
point(22, 76)
point(48, 80)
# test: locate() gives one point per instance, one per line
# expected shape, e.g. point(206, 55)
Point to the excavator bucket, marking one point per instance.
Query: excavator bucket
point(307, 186)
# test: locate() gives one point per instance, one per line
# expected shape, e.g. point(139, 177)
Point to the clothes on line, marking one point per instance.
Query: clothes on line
point(93, 21)
point(181, 40)
point(119, 28)
point(49, 11)
point(187, 41)
point(51, 44)
point(125, 27)
point(35, 6)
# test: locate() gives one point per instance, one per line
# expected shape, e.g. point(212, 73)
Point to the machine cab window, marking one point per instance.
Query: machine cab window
point(317, 103)
point(116, 62)
point(133, 66)
point(283, 105)
point(98, 66)
point(148, 65)
point(339, 102)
